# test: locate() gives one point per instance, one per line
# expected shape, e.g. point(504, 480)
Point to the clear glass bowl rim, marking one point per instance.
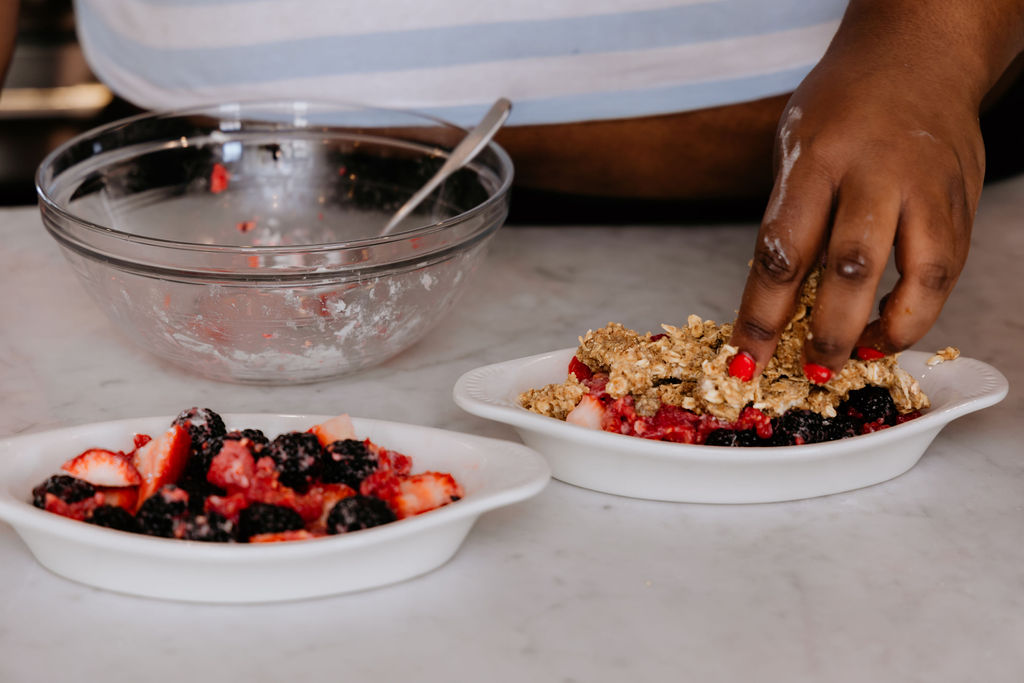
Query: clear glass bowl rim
point(215, 110)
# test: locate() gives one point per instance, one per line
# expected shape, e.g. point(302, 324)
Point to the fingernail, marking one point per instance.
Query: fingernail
point(742, 366)
point(817, 373)
point(868, 353)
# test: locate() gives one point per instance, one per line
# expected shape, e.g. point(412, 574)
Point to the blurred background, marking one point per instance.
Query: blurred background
point(49, 96)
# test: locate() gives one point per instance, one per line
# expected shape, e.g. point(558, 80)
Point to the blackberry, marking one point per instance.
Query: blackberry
point(210, 527)
point(298, 456)
point(193, 477)
point(873, 404)
point(348, 462)
point(256, 436)
point(839, 427)
point(198, 490)
point(798, 426)
point(113, 517)
point(203, 425)
point(264, 518)
point(163, 513)
point(732, 437)
point(69, 489)
point(358, 512)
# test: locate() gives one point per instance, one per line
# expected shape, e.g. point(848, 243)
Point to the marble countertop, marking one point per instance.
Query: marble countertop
point(917, 579)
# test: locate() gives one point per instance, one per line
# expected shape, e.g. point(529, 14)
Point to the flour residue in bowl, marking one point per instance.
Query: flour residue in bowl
point(301, 330)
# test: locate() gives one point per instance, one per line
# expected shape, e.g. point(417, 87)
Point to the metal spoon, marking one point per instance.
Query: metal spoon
point(463, 153)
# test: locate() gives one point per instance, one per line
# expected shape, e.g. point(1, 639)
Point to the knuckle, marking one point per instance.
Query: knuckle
point(956, 192)
point(936, 277)
point(756, 329)
point(895, 342)
point(853, 264)
point(830, 152)
point(775, 261)
point(827, 346)
point(896, 334)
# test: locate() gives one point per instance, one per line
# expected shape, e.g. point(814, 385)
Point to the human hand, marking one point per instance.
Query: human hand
point(8, 32)
point(870, 159)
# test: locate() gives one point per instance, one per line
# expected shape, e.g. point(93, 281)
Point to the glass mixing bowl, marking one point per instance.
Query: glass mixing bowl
point(241, 241)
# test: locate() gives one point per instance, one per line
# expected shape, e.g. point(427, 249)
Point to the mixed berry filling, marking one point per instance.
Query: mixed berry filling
point(199, 482)
point(865, 410)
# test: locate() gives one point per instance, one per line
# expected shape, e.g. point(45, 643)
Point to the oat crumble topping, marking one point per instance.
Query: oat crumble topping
point(688, 367)
point(941, 356)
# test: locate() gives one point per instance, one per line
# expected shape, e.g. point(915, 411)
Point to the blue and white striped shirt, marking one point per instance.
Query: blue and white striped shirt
point(558, 61)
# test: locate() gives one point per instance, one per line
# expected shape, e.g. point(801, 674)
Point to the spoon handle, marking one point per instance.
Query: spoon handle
point(463, 153)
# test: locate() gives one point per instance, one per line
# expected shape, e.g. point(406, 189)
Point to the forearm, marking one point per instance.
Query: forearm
point(8, 30)
point(962, 47)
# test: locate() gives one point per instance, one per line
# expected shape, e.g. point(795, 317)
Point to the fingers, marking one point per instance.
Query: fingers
point(931, 250)
point(788, 243)
point(931, 235)
point(852, 219)
point(867, 213)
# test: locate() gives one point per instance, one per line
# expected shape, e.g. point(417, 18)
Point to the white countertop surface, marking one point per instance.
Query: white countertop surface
point(917, 579)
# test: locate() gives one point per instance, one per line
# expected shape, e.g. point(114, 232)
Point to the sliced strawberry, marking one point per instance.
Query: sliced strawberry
point(620, 416)
point(670, 423)
point(309, 505)
point(597, 386)
point(589, 413)
point(228, 506)
point(336, 429)
point(752, 418)
point(877, 425)
point(422, 492)
point(330, 495)
point(266, 488)
point(381, 484)
point(78, 510)
point(580, 369)
point(162, 460)
point(233, 468)
point(100, 467)
point(265, 485)
point(296, 535)
point(126, 497)
point(391, 461)
point(906, 417)
point(708, 423)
